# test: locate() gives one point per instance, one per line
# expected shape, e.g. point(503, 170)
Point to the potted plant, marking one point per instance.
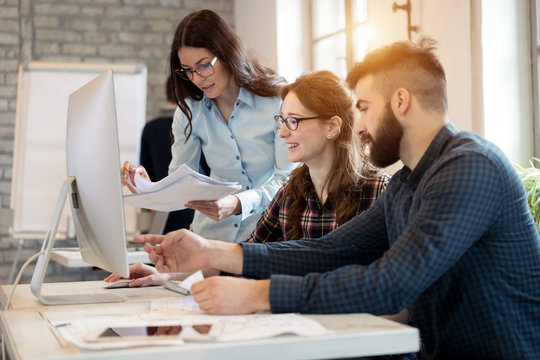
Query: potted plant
point(531, 180)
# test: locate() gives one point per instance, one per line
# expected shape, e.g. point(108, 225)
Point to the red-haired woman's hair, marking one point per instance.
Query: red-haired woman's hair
point(323, 92)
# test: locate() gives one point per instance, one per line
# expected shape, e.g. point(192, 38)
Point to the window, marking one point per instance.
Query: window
point(339, 34)
point(535, 49)
point(506, 78)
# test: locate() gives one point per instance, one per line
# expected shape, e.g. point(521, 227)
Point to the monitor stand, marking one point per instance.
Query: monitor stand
point(43, 261)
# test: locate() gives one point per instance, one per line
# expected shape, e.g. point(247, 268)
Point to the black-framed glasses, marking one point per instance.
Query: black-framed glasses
point(292, 122)
point(204, 70)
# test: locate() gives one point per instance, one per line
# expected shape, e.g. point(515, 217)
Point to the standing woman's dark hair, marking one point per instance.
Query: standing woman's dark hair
point(206, 29)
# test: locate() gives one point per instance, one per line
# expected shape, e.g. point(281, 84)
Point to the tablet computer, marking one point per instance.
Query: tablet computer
point(171, 331)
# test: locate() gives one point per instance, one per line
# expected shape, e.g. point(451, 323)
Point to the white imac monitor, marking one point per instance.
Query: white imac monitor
point(94, 189)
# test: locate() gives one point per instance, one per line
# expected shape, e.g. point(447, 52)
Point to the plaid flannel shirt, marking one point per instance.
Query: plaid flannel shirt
point(317, 219)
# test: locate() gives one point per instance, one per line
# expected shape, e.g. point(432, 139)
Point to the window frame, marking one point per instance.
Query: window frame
point(535, 58)
point(349, 30)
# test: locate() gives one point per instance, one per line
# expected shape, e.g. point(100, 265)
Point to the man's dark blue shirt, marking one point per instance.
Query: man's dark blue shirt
point(461, 252)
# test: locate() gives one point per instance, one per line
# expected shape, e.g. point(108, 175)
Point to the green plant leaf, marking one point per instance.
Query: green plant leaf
point(531, 181)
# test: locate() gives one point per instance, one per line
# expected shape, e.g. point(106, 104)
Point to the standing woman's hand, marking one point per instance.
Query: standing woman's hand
point(128, 175)
point(218, 209)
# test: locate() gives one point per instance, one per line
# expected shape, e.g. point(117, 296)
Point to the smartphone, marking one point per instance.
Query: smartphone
point(188, 332)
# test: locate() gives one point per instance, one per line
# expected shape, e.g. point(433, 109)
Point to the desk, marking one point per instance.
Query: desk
point(71, 258)
point(74, 258)
point(28, 336)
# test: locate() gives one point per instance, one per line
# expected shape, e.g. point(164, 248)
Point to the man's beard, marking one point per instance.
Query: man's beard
point(384, 150)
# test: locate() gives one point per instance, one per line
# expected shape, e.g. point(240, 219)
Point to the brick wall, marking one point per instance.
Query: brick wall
point(92, 31)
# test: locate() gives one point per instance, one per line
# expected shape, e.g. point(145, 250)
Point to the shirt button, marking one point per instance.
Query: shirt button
point(237, 103)
point(237, 157)
point(232, 137)
point(247, 187)
point(243, 172)
point(232, 116)
point(235, 225)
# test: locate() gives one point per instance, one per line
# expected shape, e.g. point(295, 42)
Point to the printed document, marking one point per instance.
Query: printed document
point(180, 187)
point(232, 328)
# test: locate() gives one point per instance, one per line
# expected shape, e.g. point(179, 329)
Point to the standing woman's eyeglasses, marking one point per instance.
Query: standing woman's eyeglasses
point(292, 122)
point(204, 70)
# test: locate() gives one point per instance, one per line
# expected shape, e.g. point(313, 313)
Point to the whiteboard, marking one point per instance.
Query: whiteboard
point(39, 160)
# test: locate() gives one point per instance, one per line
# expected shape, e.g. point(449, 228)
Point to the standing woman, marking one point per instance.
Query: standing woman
point(226, 101)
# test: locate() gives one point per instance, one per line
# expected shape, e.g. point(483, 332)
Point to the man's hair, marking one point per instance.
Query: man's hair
point(405, 65)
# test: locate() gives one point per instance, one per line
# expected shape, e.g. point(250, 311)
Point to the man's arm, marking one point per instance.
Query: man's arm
point(359, 241)
point(183, 251)
point(225, 256)
point(458, 205)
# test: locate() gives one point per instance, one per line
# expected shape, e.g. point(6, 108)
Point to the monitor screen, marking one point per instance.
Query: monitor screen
point(93, 158)
point(93, 187)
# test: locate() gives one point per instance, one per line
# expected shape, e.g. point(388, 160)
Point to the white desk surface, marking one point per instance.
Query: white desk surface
point(74, 258)
point(28, 336)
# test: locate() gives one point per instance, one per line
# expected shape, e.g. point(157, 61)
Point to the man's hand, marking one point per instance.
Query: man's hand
point(178, 251)
point(223, 295)
point(217, 209)
point(184, 251)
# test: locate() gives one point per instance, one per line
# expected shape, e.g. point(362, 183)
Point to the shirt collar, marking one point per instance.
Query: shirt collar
point(247, 97)
point(310, 193)
point(433, 151)
point(244, 96)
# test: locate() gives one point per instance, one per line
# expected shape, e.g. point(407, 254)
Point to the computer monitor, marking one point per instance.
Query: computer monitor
point(94, 189)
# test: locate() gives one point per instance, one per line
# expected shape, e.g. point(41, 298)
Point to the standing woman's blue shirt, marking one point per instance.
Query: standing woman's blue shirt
point(247, 150)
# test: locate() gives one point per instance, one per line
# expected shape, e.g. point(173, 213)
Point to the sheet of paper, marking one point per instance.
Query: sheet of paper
point(184, 287)
point(231, 328)
point(172, 192)
point(76, 332)
point(144, 185)
point(240, 327)
point(252, 327)
point(174, 306)
point(191, 279)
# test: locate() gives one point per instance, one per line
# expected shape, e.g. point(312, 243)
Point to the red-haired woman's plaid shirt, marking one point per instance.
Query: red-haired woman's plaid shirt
point(316, 219)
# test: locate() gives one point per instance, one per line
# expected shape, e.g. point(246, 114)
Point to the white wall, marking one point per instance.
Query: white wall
point(448, 22)
point(256, 24)
point(293, 44)
point(276, 31)
point(470, 34)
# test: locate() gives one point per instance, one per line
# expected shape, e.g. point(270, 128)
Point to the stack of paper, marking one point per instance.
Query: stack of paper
point(82, 332)
point(180, 187)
